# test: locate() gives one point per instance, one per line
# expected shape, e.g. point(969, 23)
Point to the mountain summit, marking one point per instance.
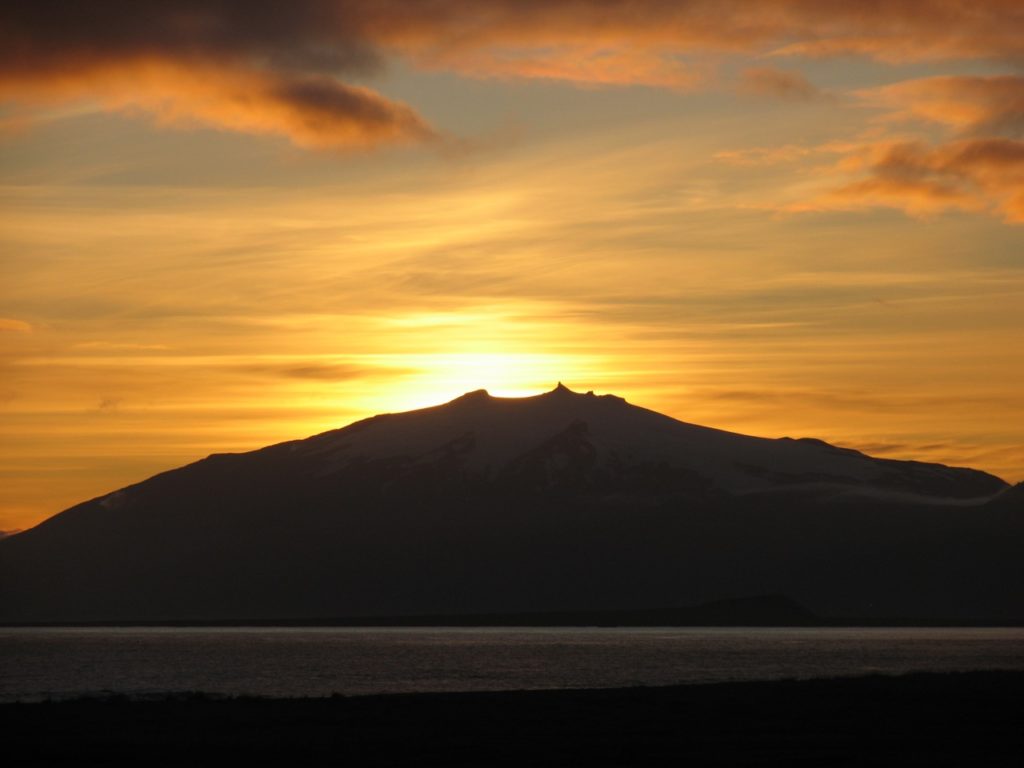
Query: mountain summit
point(558, 502)
point(589, 441)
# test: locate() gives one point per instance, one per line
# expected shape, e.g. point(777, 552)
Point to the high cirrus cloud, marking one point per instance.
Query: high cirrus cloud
point(287, 68)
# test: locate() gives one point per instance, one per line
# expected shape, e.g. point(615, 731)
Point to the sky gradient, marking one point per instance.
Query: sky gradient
point(228, 224)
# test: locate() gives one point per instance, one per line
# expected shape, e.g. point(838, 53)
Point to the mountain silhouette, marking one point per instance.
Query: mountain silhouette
point(558, 502)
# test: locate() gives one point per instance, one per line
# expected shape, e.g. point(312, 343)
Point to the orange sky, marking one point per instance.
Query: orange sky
point(224, 225)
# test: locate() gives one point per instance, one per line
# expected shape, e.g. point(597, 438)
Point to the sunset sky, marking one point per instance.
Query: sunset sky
point(227, 224)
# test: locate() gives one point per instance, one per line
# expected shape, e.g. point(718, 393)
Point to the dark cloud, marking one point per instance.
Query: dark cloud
point(778, 83)
point(265, 66)
point(54, 35)
point(256, 67)
point(108, 404)
point(322, 371)
point(878, 449)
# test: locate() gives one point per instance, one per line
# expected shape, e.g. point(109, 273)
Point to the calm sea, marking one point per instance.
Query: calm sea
point(57, 663)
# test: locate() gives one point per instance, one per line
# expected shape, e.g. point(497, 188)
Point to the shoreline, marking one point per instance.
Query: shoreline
point(516, 621)
point(937, 718)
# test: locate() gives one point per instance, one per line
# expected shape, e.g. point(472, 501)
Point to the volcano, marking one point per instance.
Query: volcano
point(560, 502)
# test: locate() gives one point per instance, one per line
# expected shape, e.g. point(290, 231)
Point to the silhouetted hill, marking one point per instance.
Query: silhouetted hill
point(560, 502)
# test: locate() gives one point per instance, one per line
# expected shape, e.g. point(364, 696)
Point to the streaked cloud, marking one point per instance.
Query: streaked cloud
point(316, 370)
point(14, 326)
point(779, 83)
point(753, 156)
point(108, 346)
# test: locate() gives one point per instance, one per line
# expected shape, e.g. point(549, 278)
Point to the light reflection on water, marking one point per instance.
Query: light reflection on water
point(61, 662)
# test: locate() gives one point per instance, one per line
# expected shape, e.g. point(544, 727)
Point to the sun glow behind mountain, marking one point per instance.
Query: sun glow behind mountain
point(781, 218)
point(439, 355)
point(444, 376)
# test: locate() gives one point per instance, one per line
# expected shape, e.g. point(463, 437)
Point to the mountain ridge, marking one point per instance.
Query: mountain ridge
point(559, 502)
point(477, 407)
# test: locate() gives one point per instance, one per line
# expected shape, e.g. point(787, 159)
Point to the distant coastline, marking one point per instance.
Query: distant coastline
point(757, 611)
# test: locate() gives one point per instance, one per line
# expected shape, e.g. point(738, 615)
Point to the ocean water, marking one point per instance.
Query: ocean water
point(52, 663)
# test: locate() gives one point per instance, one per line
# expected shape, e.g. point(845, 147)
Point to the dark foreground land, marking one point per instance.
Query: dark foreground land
point(921, 719)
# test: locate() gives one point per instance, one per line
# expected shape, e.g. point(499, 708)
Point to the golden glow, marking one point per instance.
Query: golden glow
point(727, 244)
point(113, 371)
